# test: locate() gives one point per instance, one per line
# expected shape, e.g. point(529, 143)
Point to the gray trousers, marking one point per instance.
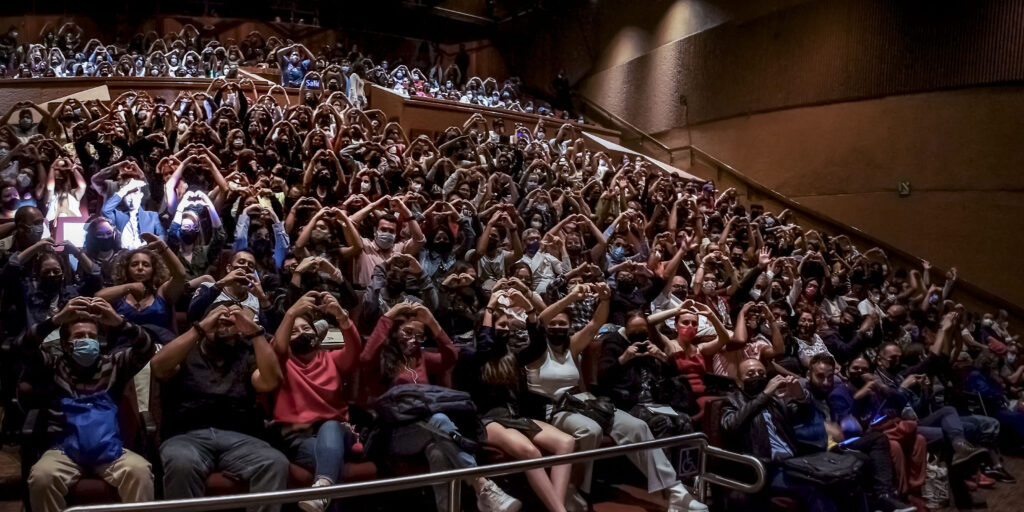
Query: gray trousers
point(626, 429)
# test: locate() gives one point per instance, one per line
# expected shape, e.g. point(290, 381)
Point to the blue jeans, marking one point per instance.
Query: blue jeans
point(948, 419)
point(323, 452)
point(435, 442)
point(189, 459)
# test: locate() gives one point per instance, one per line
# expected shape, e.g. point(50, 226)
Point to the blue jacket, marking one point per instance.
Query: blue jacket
point(149, 222)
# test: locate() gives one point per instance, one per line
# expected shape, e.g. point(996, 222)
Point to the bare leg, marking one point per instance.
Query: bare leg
point(556, 442)
point(518, 446)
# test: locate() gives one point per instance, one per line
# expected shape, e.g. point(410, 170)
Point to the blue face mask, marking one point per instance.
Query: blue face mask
point(618, 253)
point(532, 247)
point(86, 352)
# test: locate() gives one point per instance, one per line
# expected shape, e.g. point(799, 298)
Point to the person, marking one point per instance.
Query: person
point(497, 386)
point(394, 356)
point(136, 221)
point(150, 280)
point(85, 374)
point(385, 243)
point(555, 373)
point(821, 427)
point(758, 420)
point(210, 377)
point(310, 405)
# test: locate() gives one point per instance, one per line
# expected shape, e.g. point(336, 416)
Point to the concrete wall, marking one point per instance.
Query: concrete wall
point(960, 150)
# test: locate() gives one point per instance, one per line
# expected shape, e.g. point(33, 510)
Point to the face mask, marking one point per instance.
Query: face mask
point(532, 247)
point(558, 337)
point(536, 224)
point(304, 343)
point(1010, 358)
point(755, 385)
point(364, 186)
point(709, 287)
point(104, 244)
point(636, 337)
point(35, 232)
point(85, 352)
point(626, 285)
point(618, 253)
point(543, 208)
point(189, 236)
point(416, 186)
point(687, 333)
point(755, 293)
point(3, 153)
point(25, 124)
point(385, 240)
point(261, 246)
point(986, 322)
point(23, 181)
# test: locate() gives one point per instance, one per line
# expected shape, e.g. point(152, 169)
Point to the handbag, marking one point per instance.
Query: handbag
point(92, 432)
point(824, 469)
point(599, 409)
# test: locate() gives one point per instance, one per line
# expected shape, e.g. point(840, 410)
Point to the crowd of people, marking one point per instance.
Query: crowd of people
point(190, 54)
point(251, 258)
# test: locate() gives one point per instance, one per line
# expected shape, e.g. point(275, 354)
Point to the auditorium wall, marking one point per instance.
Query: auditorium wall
point(834, 103)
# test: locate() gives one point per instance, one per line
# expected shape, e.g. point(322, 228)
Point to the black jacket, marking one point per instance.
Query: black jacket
point(746, 427)
point(625, 383)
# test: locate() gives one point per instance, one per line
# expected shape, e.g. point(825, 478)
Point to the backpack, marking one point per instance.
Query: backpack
point(92, 432)
point(824, 469)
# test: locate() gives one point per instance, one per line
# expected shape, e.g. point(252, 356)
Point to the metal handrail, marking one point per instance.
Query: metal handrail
point(618, 119)
point(452, 478)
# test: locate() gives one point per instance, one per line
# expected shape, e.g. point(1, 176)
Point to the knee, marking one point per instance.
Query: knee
point(589, 435)
point(565, 444)
point(633, 428)
point(138, 469)
point(524, 450)
point(441, 421)
point(272, 461)
point(182, 460)
point(40, 477)
point(948, 410)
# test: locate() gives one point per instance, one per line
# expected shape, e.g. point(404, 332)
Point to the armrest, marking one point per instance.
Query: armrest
point(32, 423)
point(148, 423)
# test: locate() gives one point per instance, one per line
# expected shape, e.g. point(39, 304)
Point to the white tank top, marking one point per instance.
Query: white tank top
point(554, 375)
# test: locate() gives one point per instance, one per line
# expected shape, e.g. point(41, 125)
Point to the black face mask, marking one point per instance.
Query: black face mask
point(558, 337)
point(104, 244)
point(261, 246)
point(636, 337)
point(221, 347)
point(304, 343)
point(755, 385)
point(51, 284)
point(626, 285)
point(857, 380)
point(501, 336)
point(189, 236)
point(441, 247)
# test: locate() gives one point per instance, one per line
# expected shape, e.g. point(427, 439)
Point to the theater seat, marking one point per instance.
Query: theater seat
point(710, 419)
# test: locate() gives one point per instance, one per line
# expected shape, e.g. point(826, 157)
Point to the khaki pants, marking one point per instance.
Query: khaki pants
point(55, 474)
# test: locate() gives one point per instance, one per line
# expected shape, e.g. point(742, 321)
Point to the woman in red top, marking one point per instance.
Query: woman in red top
point(692, 359)
point(310, 405)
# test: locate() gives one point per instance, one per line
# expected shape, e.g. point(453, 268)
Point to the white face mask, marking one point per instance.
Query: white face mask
point(364, 186)
point(416, 186)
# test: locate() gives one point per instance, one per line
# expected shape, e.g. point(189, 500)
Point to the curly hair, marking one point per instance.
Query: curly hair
point(160, 272)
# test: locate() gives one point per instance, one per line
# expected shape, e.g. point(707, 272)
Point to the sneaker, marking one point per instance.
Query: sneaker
point(318, 505)
point(574, 501)
point(890, 503)
point(680, 500)
point(999, 474)
point(493, 499)
point(965, 452)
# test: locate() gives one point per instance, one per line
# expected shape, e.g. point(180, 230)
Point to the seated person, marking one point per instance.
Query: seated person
point(211, 376)
point(82, 373)
point(394, 356)
point(758, 419)
point(309, 406)
point(820, 427)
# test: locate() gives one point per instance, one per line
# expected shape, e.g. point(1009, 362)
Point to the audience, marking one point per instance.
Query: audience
point(543, 294)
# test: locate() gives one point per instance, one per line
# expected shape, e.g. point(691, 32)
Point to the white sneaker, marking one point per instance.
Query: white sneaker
point(574, 501)
point(317, 505)
point(680, 500)
point(493, 499)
